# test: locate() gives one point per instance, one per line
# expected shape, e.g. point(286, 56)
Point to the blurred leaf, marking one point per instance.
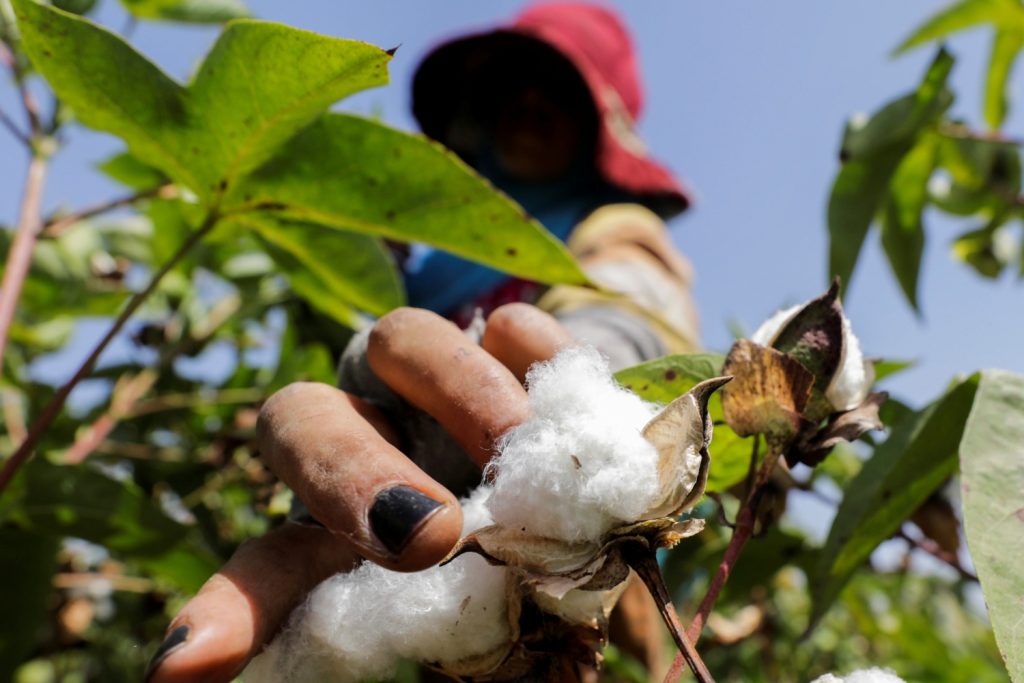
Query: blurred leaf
point(901, 224)
point(311, 288)
point(27, 564)
point(960, 16)
point(975, 248)
point(920, 453)
point(195, 11)
point(227, 121)
point(355, 268)
point(77, 500)
point(888, 367)
point(126, 169)
point(186, 567)
point(872, 153)
point(408, 189)
point(1005, 47)
point(992, 471)
point(75, 6)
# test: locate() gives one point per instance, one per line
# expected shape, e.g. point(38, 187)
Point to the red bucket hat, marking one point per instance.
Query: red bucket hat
point(596, 44)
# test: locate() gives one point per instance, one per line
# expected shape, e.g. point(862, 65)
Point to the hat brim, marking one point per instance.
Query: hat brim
point(445, 79)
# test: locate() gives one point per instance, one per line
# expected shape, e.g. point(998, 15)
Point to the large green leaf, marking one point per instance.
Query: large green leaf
point(992, 481)
point(665, 379)
point(1005, 47)
point(27, 564)
point(962, 15)
point(871, 155)
point(195, 11)
point(355, 174)
point(901, 224)
point(920, 453)
point(260, 84)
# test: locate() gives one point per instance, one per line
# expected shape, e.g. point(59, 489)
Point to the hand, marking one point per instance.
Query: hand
point(339, 456)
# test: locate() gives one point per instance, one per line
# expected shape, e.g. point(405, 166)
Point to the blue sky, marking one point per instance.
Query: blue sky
point(746, 101)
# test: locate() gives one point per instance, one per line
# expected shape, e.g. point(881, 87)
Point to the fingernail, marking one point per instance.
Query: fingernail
point(397, 513)
point(174, 639)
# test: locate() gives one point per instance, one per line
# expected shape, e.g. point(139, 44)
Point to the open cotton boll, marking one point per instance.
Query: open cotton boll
point(358, 625)
point(862, 676)
point(579, 466)
point(854, 376)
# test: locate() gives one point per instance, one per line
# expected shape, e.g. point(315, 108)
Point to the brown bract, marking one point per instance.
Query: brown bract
point(561, 592)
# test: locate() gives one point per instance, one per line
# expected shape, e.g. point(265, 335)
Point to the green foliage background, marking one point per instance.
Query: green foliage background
point(283, 209)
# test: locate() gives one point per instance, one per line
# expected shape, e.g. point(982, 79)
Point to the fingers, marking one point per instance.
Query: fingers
point(430, 362)
point(241, 607)
point(519, 335)
point(324, 445)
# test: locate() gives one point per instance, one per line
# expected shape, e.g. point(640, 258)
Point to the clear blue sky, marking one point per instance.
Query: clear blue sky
point(746, 101)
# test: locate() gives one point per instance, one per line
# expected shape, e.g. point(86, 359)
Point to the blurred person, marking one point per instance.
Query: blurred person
point(544, 108)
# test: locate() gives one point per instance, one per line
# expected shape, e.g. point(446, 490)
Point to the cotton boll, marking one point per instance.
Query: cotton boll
point(854, 376)
point(580, 466)
point(863, 676)
point(852, 381)
point(359, 625)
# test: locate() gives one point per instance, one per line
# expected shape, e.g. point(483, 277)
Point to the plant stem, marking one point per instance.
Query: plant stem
point(740, 535)
point(932, 548)
point(53, 408)
point(19, 258)
point(58, 226)
point(13, 128)
point(644, 563)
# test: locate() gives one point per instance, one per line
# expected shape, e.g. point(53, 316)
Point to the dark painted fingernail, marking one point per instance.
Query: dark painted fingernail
point(397, 513)
point(171, 643)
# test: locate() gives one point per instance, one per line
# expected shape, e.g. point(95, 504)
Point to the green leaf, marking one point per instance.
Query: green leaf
point(110, 86)
point(888, 367)
point(920, 453)
point(992, 479)
point(27, 564)
point(355, 268)
point(857, 194)
point(665, 379)
point(263, 82)
point(901, 225)
point(77, 500)
point(871, 154)
point(976, 248)
point(75, 6)
point(407, 188)
point(310, 288)
point(194, 11)
point(260, 84)
point(130, 172)
point(960, 16)
point(1005, 47)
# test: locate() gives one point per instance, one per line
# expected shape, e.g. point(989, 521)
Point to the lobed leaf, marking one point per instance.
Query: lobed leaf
point(959, 16)
point(920, 453)
point(992, 482)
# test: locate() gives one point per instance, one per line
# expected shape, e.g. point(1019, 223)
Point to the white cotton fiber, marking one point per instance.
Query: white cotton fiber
point(862, 676)
point(580, 465)
point(359, 625)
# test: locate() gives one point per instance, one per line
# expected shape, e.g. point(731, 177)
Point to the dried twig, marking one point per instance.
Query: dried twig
point(929, 546)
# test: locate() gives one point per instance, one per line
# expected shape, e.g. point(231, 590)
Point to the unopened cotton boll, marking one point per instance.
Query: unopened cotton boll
point(358, 625)
point(862, 676)
point(853, 378)
point(580, 466)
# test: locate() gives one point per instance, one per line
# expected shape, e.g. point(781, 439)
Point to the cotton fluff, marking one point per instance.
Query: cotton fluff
point(862, 676)
point(579, 466)
point(358, 625)
point(854, 377)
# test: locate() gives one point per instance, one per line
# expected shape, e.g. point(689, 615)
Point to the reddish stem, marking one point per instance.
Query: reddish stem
point(19, 258)
point(643, 562)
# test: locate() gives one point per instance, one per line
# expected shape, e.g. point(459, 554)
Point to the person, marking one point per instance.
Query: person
point(544, 107)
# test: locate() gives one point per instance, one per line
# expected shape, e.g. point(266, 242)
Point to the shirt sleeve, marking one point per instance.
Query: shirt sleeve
point(646, 308)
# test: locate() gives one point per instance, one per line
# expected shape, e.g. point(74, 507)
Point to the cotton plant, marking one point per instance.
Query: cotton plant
point(862, 676)
point(590, 486)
